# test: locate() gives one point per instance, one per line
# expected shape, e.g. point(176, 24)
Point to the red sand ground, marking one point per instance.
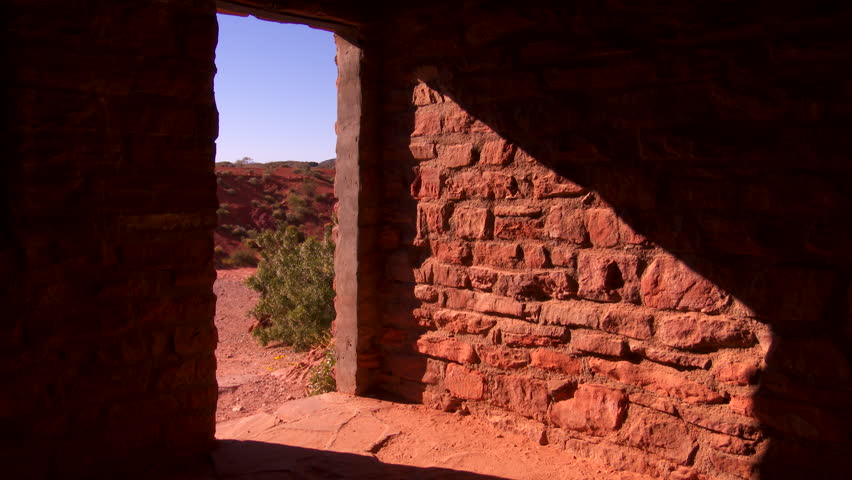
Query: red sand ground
point(251, 378)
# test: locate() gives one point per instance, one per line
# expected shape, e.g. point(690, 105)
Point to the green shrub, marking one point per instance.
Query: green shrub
point(229, 191)
point(224, 209)
point(254, 181)
point(218, 250)
point(322, 375)
point(243, 257)
point(297, 209)
point(238, 231)
point(294, 279)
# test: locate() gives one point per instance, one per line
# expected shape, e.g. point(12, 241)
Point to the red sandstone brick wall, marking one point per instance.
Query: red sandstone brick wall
point(107, 315)
point(593, 251)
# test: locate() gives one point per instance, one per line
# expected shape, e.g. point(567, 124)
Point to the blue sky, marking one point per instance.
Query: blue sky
point(275, 91)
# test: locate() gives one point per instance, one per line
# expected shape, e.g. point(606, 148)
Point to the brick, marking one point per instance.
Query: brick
point(515, 210)
point(660, 434)
point(517, 333)
point(427, 183)
point(422, 151)
point(656, 378)
point(463, 322)
point(522, 395)
point(564, 256)
point(672, 285)
point(558, 361)
point(426, 293)
point(702, 331)
point(500, 255)
point(448, 349)
point(503, 358)
point(608, 277)
point(566, 223)
point(450, 251)
point(464, 383)
point(455, 156)
point(628, 322)
point(742, 467)
point(472, 222)
point(520, 286)
point(427, 121)
point(732, 445)
point(482, 278)
point(432, 218)
point(653, 402)
point(716, 419)
point(502, 186)
point(536, 256)
point(595, 409)
point(736, 371)
point(459, 299)
point(449, 275)
point(599, 343)
point(423, 95)
point(516, 228)
point(550, 185)
point(489, 303)
point(602, 225)
point(577, 314)
point(454, 119)
point(497, 152)
point(557, 284)
point(467, 185)
point(670, 357)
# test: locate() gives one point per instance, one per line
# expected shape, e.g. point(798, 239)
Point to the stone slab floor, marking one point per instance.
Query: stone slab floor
point(336, 436)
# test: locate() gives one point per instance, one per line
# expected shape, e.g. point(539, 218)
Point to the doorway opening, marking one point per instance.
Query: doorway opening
point(274, 252)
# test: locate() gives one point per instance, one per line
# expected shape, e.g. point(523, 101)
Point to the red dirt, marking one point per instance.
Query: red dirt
point(251, 378)
point(251, 194)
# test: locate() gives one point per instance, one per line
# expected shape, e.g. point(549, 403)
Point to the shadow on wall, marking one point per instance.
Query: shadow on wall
point(739, 169)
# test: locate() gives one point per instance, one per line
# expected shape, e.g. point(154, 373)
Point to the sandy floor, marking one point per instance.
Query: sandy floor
point(251, 378)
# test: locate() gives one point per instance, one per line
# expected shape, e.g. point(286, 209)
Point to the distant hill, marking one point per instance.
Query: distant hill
point(327, 163)
point(259, 196)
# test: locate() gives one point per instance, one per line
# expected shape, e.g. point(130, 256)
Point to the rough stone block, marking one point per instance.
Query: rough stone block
point(628, 322)
point(448, 349)
point(566, 223)
point(575, 314)
point(702, 331)
point(672, 285)
point(656, 378)
point(535, 256)
point(595, 409)
point(550, 185)
point(502, 357)
point(472, 222)
point(432, 218)
point(608, 277)
point(517, 228)
point(660, 434)
point(427, 183)
point(500, 255)
point(602, 225)
point(522, 395)
point(464, 383)
point(463, 322)
point(455, 156)
point(497, 152)
point(554, 360)
point(598, 343)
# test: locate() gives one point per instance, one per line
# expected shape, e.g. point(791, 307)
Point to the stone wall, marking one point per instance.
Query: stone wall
point(616, 230)
point(109, 200)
